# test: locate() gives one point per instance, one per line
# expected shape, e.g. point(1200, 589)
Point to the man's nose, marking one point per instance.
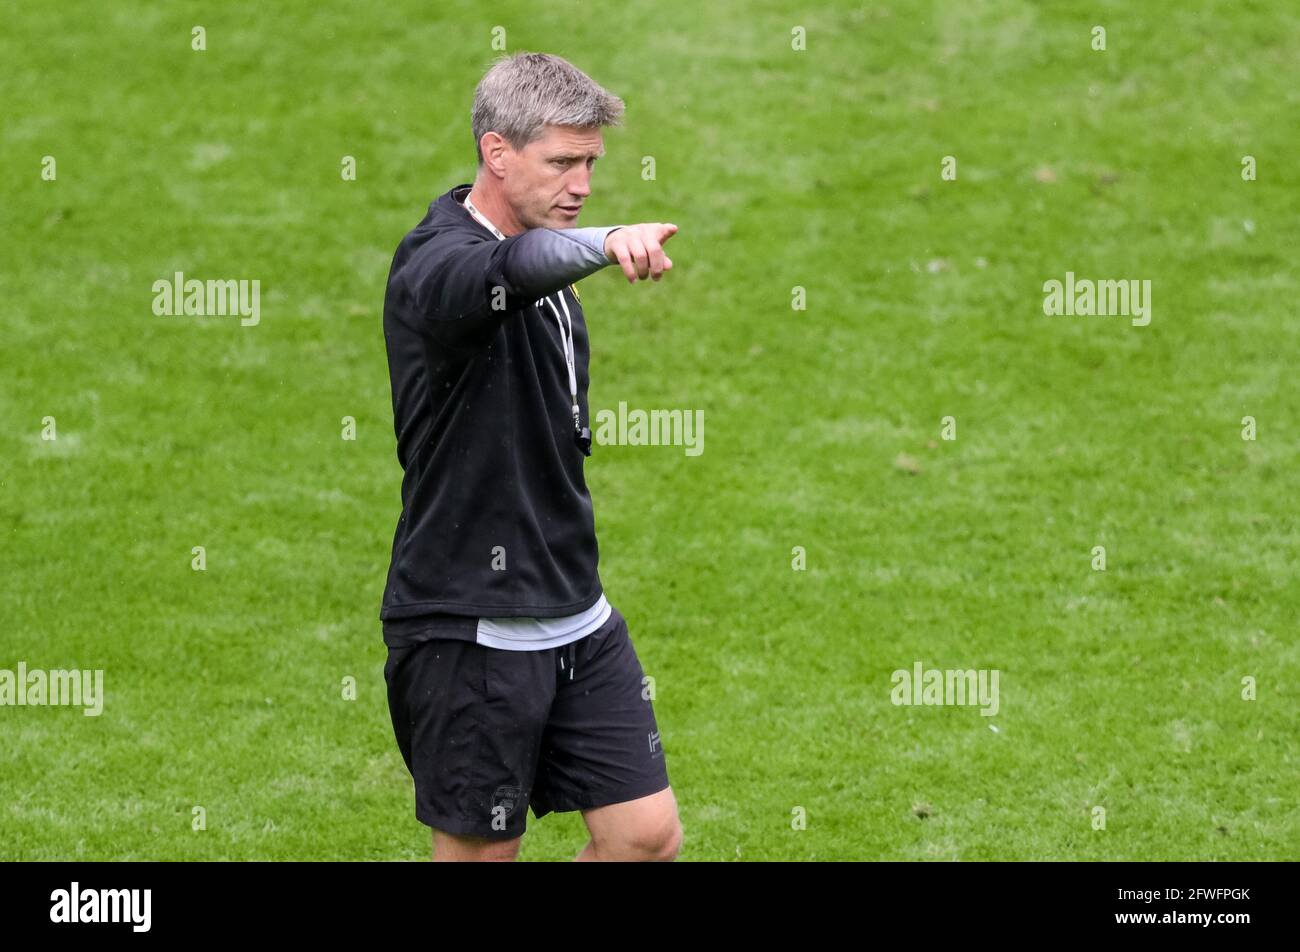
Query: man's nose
point(580, 184)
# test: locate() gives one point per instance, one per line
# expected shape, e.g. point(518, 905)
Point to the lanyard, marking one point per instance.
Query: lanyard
point(482, 219)
point(582, 435)
point(567, 342)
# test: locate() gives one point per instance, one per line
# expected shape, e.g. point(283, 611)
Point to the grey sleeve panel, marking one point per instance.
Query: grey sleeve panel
point(551, 258)
point(454, 277)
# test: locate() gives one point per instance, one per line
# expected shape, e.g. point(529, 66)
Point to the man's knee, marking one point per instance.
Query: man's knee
point(651, 840)
point(671, 843)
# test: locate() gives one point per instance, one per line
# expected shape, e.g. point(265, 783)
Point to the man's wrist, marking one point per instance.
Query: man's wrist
point(604, 242)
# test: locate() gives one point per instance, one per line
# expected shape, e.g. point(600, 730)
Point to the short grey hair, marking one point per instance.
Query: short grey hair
point(521, 94)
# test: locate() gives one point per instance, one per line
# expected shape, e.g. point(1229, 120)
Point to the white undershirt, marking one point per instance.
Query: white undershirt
point(533, 634)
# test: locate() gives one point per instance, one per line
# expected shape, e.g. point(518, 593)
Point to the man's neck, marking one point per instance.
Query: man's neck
point(493, 206)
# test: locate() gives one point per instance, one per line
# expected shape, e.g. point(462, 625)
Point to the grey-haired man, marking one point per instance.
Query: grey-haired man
point(512, 681)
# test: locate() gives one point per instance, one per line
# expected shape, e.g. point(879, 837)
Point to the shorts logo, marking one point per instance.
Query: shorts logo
point(654, 742)
point(506, 798)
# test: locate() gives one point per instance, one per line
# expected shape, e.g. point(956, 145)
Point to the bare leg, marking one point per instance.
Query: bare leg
point(472, 849)
point(643, 830)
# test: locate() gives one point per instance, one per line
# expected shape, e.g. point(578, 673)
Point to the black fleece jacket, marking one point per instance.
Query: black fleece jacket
point(496, 517)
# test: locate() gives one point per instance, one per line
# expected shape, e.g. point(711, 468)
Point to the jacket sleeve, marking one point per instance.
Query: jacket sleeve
point(453, 278)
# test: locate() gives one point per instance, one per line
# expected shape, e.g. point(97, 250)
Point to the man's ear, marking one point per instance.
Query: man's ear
point(493, 146)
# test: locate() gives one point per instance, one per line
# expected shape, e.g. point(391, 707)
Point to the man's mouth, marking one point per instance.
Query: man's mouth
point(570, 209)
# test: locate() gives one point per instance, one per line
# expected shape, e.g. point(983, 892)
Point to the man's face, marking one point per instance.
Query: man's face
point(547, 181)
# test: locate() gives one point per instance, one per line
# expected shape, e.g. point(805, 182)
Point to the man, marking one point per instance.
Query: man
point(512, 682)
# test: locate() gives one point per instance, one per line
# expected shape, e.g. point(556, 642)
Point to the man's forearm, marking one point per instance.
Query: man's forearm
point(544, 260)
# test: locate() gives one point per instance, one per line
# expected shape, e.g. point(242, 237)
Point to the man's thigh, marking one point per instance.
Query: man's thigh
point(601, 744)
point(448, 848)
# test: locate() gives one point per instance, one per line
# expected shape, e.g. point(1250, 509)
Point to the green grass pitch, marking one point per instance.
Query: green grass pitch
point(818, 168)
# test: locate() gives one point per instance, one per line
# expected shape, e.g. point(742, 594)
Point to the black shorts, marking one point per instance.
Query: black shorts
point(487, 732)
